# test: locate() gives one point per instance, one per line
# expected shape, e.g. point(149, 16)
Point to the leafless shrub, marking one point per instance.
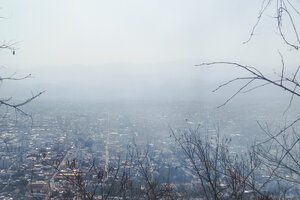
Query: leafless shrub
point(148, 172)
point(222, 174)
point(278, 155)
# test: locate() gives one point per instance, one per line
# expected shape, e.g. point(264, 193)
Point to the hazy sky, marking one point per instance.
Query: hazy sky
point(93, 32)
point(96, 43)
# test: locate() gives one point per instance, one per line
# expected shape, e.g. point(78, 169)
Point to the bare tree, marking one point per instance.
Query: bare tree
point(285, 15)
point(285, 11)
point(84, 183)
point(148, 171)
point(278, 155)
point(8, 105)
point(222, 174)
point(7, 102)
point(131, 176)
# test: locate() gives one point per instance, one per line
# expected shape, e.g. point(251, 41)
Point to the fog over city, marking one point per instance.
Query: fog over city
point(135, 49)
point(161, 99)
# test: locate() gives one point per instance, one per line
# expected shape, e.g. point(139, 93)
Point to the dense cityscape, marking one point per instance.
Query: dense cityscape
point(154, 100)
point(40, 156)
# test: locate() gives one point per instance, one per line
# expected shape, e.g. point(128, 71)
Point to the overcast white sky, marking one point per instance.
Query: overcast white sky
point(96, 43)
point(93, 32)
